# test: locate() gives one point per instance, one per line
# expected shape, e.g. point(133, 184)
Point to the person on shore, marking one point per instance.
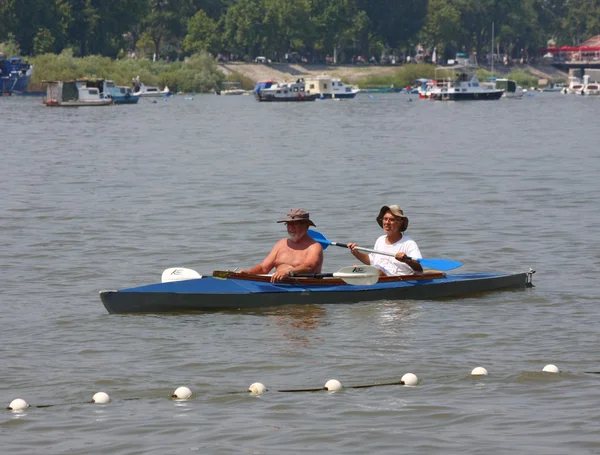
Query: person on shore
point(297, 254)
point(393, 221)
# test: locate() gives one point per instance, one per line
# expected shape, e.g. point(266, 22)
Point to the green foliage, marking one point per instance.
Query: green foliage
point(523, 78)
point(312, 28)
point(10, 47)
point(43, 41)
point(203, 34)
point(247, 83)
point(405, 75)
point(198, 74)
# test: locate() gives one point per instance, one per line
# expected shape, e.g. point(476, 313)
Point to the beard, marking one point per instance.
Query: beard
point(295, 236)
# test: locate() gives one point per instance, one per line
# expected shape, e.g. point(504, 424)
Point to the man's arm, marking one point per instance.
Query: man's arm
point(266, 265)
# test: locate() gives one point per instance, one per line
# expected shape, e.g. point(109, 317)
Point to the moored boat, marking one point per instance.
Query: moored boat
point(73, 94)
point(231, 88)
point(328, 87)
point(118, 94)
point(510, 87)
point(227, 290)
point(14, 75)
point(139, 89)
point(462, 87)
point(283, 91)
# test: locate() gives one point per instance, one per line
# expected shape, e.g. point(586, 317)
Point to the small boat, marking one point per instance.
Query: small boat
point(590, 87)
point(232, 88)
point(283, 91)
point(328, 87)
point(510, 87)
point(227, 290)
point(73, 94)
point(554, 87)
point(139, 89)
point(575, 86)
point(462, 87)
point(14, 75)
point(118, 94)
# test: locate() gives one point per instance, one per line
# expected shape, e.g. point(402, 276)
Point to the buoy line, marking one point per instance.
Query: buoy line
point(184, 393)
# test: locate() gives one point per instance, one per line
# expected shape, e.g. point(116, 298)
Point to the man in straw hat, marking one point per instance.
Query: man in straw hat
point(392, 220)
point(297, 254)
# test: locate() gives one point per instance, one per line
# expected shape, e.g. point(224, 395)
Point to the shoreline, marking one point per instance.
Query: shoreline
point(354, 73)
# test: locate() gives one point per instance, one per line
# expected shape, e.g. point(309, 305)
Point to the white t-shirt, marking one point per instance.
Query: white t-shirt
point(390, 265)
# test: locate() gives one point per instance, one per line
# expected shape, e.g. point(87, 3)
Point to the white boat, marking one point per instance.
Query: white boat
point(554, 87)
point(328, 87)
point(283, 91)
point(73, 94)
point(139, 89)
point(462, 87)
point(510, 87)
point(590, 87)
point(232, 88)
point(575, 86)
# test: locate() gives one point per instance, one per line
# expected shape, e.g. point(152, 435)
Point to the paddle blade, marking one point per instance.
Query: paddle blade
point(316, 235)
point(179, 274)
point(440, 264)
point(359, 274)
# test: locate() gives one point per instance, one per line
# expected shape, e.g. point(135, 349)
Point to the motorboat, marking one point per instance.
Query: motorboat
point(139, 89)
point(554, 87)
point(329, 87)
point(462, 86)
point(575, 86)
point(14, 74)
point(73, 94)
point(510, 87)
point(118, 94)
point(590, 87)
point(232, 88)
point(283, 91)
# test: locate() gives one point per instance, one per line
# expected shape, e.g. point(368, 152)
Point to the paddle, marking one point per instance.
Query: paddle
point(354, 274)
point(179, 274)
point(438, 264)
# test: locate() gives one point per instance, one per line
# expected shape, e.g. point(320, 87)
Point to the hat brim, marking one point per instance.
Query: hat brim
point(383, 211)
point(295, 220)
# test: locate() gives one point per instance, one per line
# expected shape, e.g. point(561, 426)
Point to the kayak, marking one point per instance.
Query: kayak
point(227, 290)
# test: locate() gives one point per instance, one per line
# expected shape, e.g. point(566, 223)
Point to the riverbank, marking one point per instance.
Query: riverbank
point(355, 73)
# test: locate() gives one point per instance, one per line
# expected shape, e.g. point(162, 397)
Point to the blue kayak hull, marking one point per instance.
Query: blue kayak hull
point(213, 294)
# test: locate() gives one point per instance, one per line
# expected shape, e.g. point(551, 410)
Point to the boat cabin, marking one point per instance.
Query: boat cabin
point(73, 93)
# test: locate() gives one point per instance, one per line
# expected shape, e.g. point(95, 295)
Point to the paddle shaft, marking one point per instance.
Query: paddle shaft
point(369, 250)
point(432, 263)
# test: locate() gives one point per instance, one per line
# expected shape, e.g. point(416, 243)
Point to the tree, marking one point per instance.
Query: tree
point(243, 27)
point(442, 27)
point(203, 34)
point(43, 43)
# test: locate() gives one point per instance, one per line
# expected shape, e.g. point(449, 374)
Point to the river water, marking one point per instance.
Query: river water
point(106, 198)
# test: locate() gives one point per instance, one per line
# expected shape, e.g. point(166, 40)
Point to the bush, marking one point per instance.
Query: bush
point(405, 75)
point(198, 74)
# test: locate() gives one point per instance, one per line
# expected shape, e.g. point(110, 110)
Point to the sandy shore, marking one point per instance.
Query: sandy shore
point(352, 73)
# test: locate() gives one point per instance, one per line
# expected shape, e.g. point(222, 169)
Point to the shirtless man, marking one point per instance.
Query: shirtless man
point(297, 254)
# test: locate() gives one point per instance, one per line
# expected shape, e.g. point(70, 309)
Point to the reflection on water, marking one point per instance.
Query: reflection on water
point(397, 318)
point(298, 323)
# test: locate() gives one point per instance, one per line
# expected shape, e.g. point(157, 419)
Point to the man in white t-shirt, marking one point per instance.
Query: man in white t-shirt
point(393, 222)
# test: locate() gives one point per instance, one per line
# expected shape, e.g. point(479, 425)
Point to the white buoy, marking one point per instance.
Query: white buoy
point(410, 379)
point(333, 385)
point(258, 388)
point(101, 398)
point(551, 368)
point(18, 405)
point(479, 371)
point(182, 393)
